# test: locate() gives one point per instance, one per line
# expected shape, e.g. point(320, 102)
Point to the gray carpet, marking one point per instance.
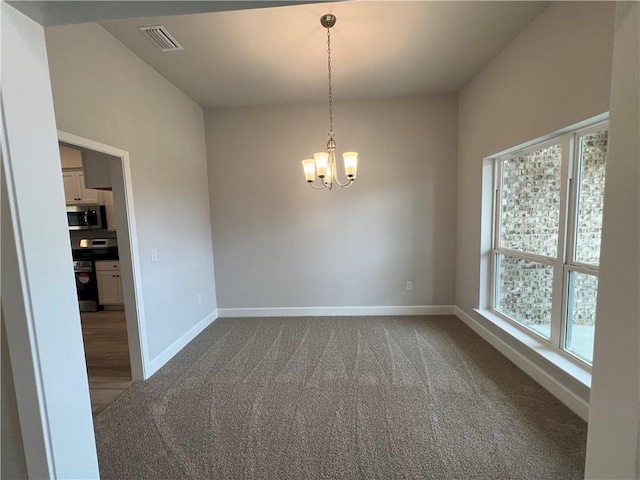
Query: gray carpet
point(349, 397)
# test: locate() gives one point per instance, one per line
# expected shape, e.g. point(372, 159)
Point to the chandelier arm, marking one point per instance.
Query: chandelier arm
point(317, 188)
point(331, 147)
point(334, 173)
point(343, 185)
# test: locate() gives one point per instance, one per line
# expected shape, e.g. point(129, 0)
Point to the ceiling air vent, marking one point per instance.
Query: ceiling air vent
point(161, 38)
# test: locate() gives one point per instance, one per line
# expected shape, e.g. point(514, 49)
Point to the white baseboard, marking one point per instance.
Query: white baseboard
point(559, 390)
point(336, 311)
point(154, 365)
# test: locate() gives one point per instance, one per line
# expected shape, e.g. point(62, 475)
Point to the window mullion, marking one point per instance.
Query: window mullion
point(570, 249)
point(581, 268)
point(497, 193)
point(572, 217)
point(532, 257)
point(566, 278)
point(494, 281)
point(497, 189)
point(559, 283)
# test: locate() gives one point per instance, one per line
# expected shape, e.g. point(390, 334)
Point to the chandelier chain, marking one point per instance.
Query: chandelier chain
point(329, 78)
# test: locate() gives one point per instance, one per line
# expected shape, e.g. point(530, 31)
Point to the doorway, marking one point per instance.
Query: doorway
point(96, 266)
point(115, 336)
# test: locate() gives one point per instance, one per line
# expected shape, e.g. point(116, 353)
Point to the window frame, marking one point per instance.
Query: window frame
point(564, 263)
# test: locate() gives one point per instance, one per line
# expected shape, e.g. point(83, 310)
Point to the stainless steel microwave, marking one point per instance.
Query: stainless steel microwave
point(86, 217)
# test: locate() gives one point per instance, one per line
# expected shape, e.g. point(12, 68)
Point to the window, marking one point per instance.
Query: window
point(546, 241)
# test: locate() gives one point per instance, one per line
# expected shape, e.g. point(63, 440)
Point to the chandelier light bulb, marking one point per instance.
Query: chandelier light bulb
point(324, 163)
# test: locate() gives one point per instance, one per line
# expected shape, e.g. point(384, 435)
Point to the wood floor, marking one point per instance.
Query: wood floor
point(107, 355)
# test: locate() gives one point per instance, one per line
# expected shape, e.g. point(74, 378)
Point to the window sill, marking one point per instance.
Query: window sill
point(580, 373)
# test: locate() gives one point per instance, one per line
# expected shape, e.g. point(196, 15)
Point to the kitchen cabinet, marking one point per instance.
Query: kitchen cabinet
point(109, 283)
point(70, 182)
point(70, 157)
point(75, 193)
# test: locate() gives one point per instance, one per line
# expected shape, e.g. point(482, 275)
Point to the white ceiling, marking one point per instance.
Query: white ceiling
point(64, 12)
point(379, 49)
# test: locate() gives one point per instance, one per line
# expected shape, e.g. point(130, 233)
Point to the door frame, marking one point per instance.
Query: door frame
point(130, 261)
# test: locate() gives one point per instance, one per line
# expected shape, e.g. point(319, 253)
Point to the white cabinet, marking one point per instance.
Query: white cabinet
point(70, 181)
point(75, 193)
point(109, 283)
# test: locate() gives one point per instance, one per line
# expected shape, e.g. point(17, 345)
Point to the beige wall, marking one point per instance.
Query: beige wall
point(13, 461)
point(557, 72)
point(103, 92)
point(613, 447)
point(39, 301)
point(278, 243)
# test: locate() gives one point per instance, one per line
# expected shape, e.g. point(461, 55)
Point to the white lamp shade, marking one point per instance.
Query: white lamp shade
point(350, 164)
point(309, 167)
point(322, 163)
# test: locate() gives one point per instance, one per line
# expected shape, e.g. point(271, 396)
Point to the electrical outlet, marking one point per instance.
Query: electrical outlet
point(409, 286)
point(154, 254)
point(199, 298)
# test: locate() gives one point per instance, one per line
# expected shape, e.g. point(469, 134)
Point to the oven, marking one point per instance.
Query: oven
point(85, 253)
point(86, 285)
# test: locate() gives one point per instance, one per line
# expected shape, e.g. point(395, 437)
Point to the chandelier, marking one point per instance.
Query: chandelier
point(323, 164)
